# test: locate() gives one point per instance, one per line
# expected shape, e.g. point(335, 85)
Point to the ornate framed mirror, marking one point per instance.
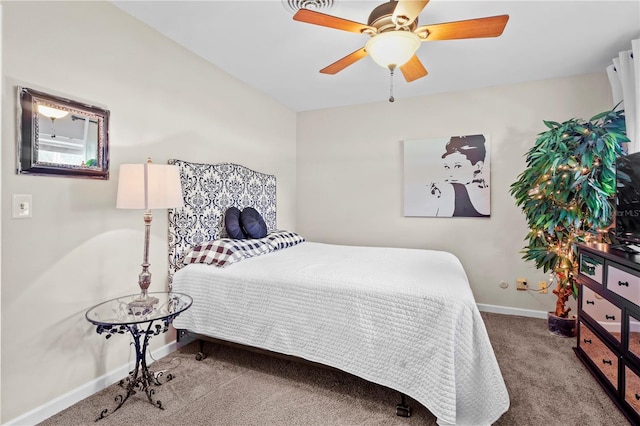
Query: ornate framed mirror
point(58, 136)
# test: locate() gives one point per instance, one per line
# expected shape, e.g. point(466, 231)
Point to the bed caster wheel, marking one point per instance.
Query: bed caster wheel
point(200, 356)
point(403, 410)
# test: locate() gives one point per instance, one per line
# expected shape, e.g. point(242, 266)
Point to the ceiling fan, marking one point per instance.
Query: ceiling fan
point(396, 36)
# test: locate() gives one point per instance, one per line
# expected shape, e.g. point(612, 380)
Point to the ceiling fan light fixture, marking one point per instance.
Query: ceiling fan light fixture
point(392, 49)
point(51, 112)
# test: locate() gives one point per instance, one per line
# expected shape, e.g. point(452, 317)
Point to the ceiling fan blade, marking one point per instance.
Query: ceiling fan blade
point(341, 64)
point(324, 20)
point(471, 28)
point(407, 11)
point(413, 69)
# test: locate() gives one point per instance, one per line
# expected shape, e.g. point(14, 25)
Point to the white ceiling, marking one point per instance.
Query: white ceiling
point(259, 43)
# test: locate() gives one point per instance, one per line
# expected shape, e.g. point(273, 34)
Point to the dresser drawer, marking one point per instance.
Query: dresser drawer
point(604, 359)
point(624, 284)
point(600, 309)
point(592, 267)
point(632, 389)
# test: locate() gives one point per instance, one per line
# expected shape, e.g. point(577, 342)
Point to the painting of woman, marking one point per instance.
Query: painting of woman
point(447, 177)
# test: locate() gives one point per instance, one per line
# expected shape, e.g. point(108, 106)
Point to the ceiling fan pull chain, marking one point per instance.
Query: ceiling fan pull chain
point(391, 99)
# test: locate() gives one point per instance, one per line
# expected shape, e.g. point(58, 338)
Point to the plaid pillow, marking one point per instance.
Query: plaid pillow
point(283, 239)
point(253, 247)
point(226, 251)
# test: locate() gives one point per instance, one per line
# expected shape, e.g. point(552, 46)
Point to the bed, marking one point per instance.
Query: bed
point(402, 318)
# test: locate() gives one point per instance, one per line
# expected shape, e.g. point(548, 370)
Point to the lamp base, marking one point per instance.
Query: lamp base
point(143, 305)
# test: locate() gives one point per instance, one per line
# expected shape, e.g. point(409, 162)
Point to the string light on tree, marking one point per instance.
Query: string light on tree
point(566, 195)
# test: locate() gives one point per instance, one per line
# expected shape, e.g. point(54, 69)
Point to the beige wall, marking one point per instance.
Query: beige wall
point(78, 250)
point(350, 174)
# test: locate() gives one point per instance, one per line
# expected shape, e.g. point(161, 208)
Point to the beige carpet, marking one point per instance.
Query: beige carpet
point(547, 385)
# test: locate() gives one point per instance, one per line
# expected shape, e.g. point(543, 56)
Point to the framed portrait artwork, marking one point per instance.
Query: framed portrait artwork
point(447, 177)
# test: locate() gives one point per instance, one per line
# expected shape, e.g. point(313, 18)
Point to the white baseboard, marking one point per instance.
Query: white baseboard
point(62, 402)
point(512, 311)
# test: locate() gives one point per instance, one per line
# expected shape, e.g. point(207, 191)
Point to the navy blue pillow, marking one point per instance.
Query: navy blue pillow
point(232, 223)
point(252, 223)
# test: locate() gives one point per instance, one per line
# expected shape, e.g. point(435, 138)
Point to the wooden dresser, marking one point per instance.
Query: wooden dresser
point(609, 322)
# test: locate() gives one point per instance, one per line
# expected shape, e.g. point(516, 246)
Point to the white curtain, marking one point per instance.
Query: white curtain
point(624, 77)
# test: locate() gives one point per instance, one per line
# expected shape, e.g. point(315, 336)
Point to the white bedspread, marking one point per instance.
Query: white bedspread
point(402, 318)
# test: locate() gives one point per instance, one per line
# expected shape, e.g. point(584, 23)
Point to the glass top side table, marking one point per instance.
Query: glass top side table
point(116, 316)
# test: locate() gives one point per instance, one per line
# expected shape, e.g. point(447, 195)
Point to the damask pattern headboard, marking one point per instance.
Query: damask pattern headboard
point(208, 191)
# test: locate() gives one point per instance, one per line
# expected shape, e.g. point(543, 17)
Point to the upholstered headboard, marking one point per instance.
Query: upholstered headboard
point(208, 190)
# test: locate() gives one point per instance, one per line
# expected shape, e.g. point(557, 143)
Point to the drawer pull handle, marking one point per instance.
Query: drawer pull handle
point(587, 340)
point(591, 302)
point(637, 397)
point(607, 361)
point(623, 283)
point(610, 317)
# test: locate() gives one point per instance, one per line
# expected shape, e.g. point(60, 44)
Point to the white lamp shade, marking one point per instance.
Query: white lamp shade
point(393, 48)
point(51, 112)
point(160, 190)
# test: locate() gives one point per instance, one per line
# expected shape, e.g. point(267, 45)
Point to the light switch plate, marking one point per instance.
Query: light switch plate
point(22, 206)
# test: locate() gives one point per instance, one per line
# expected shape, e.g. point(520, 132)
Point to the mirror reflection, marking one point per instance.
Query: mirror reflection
point(66, 138)
point(62, 137)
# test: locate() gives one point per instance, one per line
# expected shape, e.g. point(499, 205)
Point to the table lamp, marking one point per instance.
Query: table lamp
point(148, 186)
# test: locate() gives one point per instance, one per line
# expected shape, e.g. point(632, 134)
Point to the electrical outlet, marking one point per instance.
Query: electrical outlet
point(542, 287)
point(522, 284)
point(22, 206)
